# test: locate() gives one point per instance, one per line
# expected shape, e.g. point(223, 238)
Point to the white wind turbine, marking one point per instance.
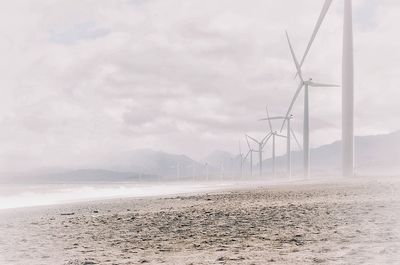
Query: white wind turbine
point(289, 134)
point(250, 153)
point(272, 134)
point(317, 26)
point(193, 172)
point(242, 158)
point(261, 144)
point(347, 83)
point(206, 168)
point(306, 124)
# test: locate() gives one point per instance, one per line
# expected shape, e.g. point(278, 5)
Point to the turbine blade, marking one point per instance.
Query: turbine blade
point(273, 118)
point(266, 137)
point(269, 121)
point(321, 85)
point(321, 18)
point(292, 103)
point(295, 138)
point(280, 135)
point(248, 153)
point(253, 139)
point(296, 62)
point(248, 144)
point(266, 140)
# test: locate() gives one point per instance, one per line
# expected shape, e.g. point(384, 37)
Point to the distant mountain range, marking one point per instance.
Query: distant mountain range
point(374, 154)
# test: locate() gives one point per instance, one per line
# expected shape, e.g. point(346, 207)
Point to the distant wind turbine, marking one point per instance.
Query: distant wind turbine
point(272, 134)
point(261, 144)
point(193, 172)
point(241, 156)
point(178, 171)
point(222, 171)
point(289, 134)
point(250, 153)
point(207, 171)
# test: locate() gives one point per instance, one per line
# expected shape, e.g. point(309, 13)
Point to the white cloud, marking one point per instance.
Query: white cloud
point(81, 79)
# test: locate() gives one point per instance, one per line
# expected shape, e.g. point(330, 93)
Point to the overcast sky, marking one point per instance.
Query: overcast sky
point(82, 79)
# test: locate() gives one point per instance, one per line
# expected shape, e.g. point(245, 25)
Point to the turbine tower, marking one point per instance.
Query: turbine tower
point(348, 93)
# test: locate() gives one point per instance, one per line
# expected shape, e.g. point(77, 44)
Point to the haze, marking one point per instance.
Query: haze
point(81, 80)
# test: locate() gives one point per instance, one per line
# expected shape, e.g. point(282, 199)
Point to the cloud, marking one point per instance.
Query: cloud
point(81, 79)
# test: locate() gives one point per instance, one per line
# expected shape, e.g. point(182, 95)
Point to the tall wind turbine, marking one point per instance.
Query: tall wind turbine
point(347, 83)
point(261, 144)
point(306, 123)
point(289, 134)
point(348, 92)
point(324, 11)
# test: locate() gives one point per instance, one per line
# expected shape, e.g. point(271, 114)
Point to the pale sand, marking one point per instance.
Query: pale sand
point(348, 222)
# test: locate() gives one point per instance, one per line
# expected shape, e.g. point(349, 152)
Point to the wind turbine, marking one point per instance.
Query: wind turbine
point(289, 134)
point(261, 144)
point(241, 156)
point(347, 83)
point(221, 171)
point(324, 11)
point(193, 172)
point(251, 151)
point(272, 134)
point(306, 123)
point(207, 171)
point(178, 170)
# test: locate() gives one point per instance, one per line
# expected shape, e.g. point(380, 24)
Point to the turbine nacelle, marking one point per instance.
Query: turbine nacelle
point(311, 83)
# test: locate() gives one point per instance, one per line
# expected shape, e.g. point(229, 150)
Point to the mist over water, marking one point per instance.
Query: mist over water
point(17, 196)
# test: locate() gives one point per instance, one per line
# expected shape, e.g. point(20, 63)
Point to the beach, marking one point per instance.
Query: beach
point(342, 221)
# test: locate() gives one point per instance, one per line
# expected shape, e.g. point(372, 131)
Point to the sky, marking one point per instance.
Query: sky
point(80, 80)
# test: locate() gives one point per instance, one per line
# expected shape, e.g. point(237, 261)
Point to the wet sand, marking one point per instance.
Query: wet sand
point(342, 222)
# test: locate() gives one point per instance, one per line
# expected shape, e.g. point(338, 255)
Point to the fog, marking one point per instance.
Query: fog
point(85, 81)
point(149, 132)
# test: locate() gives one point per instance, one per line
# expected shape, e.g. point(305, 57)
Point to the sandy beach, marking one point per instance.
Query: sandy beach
point(341, 222)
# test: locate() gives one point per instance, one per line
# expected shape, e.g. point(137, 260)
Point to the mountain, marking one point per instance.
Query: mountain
point(374, 154)
point(91, 175)
point(218, 157)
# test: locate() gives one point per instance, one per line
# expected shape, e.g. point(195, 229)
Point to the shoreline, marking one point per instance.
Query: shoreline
point(336, 222)
point(194, 188)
